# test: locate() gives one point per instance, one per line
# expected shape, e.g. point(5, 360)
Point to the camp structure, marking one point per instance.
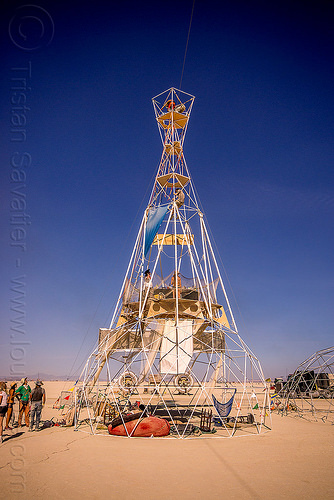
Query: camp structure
point(172, 349)
point(309, 391)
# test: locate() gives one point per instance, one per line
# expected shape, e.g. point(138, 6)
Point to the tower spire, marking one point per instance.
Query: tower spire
point(172, 111)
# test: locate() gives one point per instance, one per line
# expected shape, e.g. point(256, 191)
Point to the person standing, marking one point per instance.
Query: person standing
point(37, 398)
point(11, 398)
point(176, 278)
point(23, 392)
point(3, 405)
point(147, 282)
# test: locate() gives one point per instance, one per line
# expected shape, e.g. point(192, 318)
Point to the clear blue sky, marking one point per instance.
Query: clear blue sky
point(259, 147)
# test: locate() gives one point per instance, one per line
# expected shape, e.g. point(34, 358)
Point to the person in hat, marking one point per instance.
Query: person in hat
point(37, 398)
point(11, 399)
point(3, 405)
point(23, 393)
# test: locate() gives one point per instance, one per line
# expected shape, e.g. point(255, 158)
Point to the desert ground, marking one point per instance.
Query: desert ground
point(293, 460)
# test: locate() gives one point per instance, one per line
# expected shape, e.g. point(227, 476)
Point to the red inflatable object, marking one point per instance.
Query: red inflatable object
point(146, 427)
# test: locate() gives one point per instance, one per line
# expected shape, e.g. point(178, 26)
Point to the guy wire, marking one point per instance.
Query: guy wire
point(185, 53)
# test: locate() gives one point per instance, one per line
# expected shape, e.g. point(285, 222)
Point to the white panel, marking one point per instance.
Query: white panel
point(176, 347)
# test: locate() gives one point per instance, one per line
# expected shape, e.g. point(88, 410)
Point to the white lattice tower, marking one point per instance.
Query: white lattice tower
point(173, 322)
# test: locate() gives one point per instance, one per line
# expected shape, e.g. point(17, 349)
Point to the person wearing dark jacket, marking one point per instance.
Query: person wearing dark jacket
point(37, 398)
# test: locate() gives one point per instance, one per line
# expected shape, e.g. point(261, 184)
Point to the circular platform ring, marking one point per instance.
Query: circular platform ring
point(170, 104)
point(184, 382)
point(127, 381)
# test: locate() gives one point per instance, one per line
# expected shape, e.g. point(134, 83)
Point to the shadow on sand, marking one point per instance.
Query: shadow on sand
point(9, 438)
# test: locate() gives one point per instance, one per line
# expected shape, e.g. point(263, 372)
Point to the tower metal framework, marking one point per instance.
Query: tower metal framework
point(173, 344)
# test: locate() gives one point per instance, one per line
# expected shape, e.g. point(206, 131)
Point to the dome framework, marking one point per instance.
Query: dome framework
point(309, 391)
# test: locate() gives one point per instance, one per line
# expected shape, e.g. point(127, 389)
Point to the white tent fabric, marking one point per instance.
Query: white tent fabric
point(176, 347)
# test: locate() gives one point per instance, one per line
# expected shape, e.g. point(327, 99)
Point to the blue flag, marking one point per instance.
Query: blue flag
point(154, 220)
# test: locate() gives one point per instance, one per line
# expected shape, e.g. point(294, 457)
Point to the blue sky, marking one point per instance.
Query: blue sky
point(259, 147)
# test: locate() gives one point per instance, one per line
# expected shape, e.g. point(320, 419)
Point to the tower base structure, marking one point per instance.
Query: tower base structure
point(224, 383)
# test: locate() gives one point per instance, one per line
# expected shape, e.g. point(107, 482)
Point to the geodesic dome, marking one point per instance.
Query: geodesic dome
point(229, 373)
point(309, 391)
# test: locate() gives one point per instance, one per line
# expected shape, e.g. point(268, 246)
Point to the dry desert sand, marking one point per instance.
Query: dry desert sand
point(294, 460)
